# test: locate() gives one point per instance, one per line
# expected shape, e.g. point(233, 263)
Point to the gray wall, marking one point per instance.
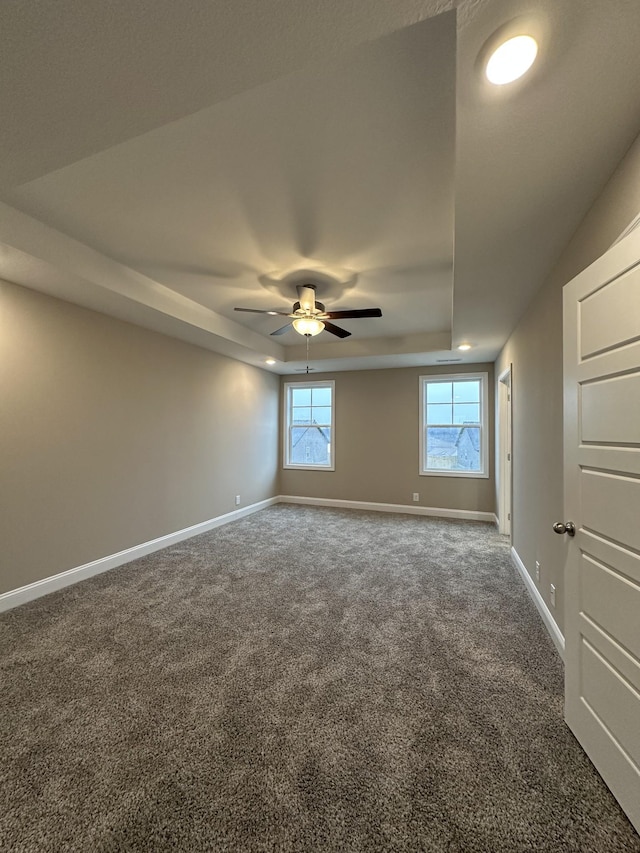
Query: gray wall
point(535, 350)
point(377, 444)
point(111, 435)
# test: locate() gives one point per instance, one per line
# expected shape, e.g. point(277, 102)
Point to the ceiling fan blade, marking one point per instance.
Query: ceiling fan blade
point(357, 312)
point(259, 311)
point(282, 330)
point(336, 330)
point(307, 296)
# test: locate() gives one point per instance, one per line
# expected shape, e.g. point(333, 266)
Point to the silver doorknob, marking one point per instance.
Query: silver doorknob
point(568, 528)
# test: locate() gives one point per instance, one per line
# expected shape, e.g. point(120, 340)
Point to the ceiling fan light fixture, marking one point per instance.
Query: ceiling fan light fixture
point(511, 60)
point(308, 325)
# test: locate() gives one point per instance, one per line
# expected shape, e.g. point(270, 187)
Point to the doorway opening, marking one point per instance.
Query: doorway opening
point(504, 452)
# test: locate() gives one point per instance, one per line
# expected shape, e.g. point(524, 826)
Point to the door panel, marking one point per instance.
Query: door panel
point(608, 317)
point(613, 699)
point(610, 410)
point(610, 506)
point(617, 613)
point(602, 498)
point(611, 554)
point(623, 661)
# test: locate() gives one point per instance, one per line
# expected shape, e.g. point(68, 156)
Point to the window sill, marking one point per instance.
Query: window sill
point(467, 475)
point(308, 467)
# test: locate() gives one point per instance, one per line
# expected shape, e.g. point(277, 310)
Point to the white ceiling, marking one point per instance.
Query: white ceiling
point(167, 169)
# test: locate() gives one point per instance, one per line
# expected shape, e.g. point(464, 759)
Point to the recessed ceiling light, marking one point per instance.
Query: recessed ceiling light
point(270, 361)
point(464, 347)
point(511, 60)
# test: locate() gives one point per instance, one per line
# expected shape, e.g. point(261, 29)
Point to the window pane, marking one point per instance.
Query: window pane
point(321, 396)
point(301, 415)
point(439, 392)
point(301, 396)
point(441, 447)
point(454, 417)
point(468, 444)
point(438, 414)
point(453, 449)
point(466, 392)
point(466, 413)
point(310, 446)
point(308, 425)
point(442, 438)
point(321, 415)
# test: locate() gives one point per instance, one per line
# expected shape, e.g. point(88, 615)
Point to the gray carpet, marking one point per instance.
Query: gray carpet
point(385, 686)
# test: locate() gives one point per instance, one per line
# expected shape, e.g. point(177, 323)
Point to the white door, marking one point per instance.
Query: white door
point(602, 499)
point(504, 452)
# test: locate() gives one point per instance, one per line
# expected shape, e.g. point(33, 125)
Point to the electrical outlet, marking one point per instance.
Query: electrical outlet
point(416, 496)
point(237, 500)
point(537, 571)
point(552, 595)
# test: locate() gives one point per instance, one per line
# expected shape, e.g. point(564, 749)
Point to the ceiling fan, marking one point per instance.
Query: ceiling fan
point(309, 316)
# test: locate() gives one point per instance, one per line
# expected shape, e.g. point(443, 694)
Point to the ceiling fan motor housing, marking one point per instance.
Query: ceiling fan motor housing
point(298, 309)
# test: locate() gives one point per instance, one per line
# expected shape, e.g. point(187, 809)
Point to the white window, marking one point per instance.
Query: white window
point(454, 428)
point(309, 425)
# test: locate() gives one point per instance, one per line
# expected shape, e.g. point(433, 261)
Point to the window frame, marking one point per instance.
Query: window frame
point(288, 387)
point(484, 424)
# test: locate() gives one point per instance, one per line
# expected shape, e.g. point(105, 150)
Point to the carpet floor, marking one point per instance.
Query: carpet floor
point(384, 685)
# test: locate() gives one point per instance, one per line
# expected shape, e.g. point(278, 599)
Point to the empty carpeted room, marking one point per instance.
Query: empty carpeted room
point(320, 426)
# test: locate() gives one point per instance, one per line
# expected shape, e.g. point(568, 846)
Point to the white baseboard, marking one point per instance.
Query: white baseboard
point(410, 509)
point(15, 597)
point(550, 623)
point(498, 526)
